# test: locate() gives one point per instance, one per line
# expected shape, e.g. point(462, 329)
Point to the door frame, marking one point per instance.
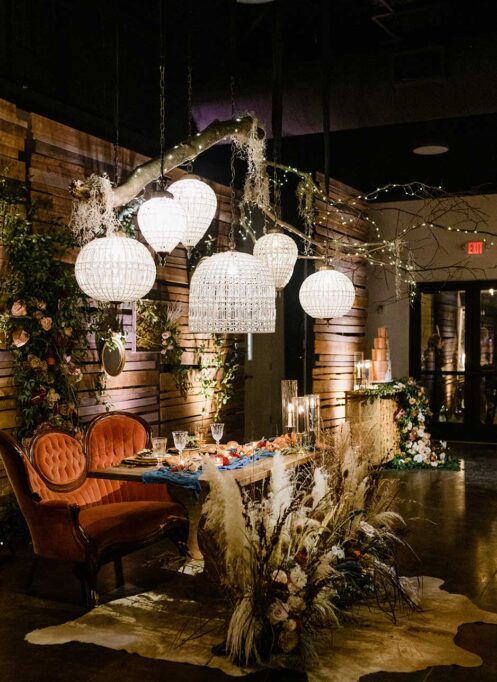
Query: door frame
point(471, 429)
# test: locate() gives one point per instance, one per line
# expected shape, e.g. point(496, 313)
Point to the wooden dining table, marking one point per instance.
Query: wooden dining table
point(250, 475)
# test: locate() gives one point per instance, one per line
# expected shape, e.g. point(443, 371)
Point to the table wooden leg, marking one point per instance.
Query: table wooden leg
point(193, 508)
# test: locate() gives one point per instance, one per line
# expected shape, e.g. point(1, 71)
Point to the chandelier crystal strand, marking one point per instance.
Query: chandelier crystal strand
point(199, 202)
point(232, 292)
point(327, 293)
point(115, 269)
point(278, 252)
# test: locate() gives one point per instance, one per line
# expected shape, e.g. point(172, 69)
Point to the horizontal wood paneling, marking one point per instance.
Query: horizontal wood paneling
point(335, 342)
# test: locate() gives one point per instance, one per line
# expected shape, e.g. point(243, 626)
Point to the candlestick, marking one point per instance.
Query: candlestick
point(288, 393)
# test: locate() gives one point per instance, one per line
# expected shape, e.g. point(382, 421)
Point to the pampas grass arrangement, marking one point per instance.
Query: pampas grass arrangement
point(293, 560)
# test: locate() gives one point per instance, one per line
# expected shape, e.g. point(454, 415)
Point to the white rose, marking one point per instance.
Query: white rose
point(418, 458)
point(434, 464)
point(442, 456)
point(279, 577)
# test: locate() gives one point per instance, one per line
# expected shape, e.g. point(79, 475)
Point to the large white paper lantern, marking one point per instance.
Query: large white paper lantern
point(199, 202)
point(115, 268)
point(279, 254)
point(232, 292)
point(162, 221)
point(327, 293)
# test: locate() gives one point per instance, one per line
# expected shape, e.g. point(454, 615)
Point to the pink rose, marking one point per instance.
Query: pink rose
point(46, 323)
point(20, 337)
point(19, 309)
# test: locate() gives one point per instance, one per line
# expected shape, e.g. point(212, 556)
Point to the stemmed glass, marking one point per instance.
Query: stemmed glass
point(217, 432)
point(180, 441)
point(159, 446)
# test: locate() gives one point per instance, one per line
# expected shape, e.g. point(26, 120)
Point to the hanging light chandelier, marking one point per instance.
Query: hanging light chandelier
point(279, 254)
point(115, 268)
point(162, 222)
point(327, 293)
point(232, 292)
point(199, 203)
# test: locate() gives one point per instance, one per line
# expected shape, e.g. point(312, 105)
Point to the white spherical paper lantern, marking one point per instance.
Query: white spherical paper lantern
point(232, 292)
point(327, 293)
point(199, 202)
point(115, 268)
point(162, 222)
point(279, 254)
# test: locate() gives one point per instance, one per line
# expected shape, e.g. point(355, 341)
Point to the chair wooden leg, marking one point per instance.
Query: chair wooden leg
point(31, 573)
point(118, 570)
point(87, 575)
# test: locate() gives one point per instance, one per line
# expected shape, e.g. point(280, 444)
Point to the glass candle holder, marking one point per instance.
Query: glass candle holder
point(301, 420)
point(358, 370)
point(288, 394)
point(313, 408)
point(366, 373)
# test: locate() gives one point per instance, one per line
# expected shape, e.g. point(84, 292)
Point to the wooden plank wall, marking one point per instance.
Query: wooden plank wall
point(48, 155)
point(335, 342)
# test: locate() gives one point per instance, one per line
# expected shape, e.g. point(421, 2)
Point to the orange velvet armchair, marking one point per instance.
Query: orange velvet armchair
point(72, 517)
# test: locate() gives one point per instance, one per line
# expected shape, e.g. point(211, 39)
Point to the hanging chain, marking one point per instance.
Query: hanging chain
point(162, 94)
point(115, 146)
point(231, 241)
point(189, 86)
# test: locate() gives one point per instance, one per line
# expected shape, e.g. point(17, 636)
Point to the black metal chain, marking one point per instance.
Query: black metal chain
point(162, 92)
point(189, 81)
point(115, 146)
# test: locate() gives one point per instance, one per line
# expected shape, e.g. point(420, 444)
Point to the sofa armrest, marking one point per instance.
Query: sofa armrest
point(56, 532)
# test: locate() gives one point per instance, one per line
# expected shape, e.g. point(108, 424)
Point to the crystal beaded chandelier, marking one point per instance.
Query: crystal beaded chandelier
point(115, 268)
point(327, 293)
point(162, 222)
point(278, 252)
point(232, 292)
point(199, 203)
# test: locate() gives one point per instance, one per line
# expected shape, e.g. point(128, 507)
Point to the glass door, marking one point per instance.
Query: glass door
point(453, 336)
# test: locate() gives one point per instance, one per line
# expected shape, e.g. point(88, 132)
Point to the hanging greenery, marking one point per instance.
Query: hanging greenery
point(218, 370)
point(157, 329)
point(46, 333)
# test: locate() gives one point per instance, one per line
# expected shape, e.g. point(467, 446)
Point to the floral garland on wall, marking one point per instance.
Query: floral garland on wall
point(417, 449)
point(218, 371)
point(158, 329)
point(46, 333)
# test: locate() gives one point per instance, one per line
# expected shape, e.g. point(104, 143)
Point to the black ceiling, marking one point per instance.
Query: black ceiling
point(403, 71)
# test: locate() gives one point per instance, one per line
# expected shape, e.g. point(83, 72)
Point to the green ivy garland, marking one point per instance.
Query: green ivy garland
point(44, 320)
point(218, 372)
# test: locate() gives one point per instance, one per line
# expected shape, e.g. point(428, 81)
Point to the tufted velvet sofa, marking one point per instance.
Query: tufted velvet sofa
point(85, 520)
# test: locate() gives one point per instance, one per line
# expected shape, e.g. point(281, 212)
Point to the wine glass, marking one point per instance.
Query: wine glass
point(217, 432)
point(159, 446)
point(180, 441)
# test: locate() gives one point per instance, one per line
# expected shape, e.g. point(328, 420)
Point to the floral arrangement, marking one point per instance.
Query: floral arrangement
point(158, 328)
point(218, 371)
point(294, 561)
point(417, 448)
point(46, 333)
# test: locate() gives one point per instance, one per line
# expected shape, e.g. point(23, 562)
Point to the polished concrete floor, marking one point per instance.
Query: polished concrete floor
point(452, 519)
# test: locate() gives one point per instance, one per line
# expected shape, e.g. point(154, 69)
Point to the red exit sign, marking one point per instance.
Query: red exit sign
point(475, 248)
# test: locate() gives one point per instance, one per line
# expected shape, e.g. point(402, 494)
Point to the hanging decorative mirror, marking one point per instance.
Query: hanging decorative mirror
point(113, 355)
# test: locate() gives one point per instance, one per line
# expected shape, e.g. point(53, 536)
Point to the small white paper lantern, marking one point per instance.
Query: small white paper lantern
point(115, 268)
point(162, 222)
point(327, 293)
point(232, 292)
point(279, 254)
point(199, 202)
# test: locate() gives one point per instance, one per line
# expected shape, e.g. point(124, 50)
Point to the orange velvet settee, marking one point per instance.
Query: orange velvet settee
point(89, 521)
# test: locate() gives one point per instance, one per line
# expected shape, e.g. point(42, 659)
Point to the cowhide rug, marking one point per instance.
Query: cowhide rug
point(159, 626)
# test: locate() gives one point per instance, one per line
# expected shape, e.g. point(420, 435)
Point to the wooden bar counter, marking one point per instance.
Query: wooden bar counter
point(372, 420)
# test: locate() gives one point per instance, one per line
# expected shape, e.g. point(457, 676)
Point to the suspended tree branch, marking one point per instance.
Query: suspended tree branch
point(176, 156)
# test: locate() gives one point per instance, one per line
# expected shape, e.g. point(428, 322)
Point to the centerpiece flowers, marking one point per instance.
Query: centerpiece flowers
point(294, 561)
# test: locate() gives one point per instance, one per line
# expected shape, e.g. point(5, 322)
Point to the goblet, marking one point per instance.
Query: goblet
point(159, 446)
point(217, 431)
point(180, 441)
